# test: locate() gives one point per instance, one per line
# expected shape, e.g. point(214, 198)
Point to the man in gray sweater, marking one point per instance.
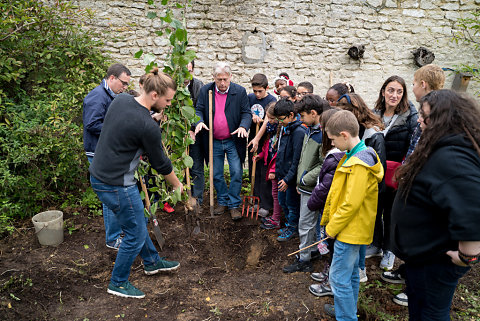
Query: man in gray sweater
point(128, 132)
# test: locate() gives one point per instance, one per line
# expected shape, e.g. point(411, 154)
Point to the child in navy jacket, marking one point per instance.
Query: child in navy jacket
point(288, 157)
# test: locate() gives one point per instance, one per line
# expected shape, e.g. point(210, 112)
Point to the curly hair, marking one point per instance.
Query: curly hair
point(450, 113)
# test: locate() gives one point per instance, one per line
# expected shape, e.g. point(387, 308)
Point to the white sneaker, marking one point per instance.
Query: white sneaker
point(263, 212)
point(401, 299)
point(363, 275)
point(372, 251)
point(387, 261)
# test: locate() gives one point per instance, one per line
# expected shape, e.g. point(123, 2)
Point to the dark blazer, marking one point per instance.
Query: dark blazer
point(237, 112)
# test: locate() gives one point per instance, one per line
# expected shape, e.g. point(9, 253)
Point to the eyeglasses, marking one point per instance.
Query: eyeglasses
point(281, 119)
point(304, 93)
point(124, 83)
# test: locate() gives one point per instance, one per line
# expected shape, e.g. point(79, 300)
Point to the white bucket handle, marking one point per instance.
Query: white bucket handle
point(44, 226)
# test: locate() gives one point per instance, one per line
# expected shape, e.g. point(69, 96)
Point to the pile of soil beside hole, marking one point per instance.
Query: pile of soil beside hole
point(229, 271)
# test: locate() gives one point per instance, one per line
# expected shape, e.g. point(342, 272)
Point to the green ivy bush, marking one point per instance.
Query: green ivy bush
point(48, 63)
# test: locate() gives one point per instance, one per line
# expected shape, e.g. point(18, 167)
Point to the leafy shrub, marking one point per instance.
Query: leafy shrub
point(48, 64)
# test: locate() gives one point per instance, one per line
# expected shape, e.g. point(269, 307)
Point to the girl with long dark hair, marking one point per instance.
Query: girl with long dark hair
point(436, 212)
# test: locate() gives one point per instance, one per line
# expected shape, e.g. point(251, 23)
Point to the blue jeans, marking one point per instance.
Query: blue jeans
point(361, 257)
point(127, 206)
point(112, 227)
point(345, 280)
point(227, 196)
point(290, 203)
point(198, 174)
point(430, 289)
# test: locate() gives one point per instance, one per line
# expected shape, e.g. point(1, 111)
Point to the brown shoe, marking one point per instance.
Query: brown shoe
point(235, 214)
point(220, 209)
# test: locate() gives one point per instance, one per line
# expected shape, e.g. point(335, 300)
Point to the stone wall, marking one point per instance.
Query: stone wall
point(307, 39)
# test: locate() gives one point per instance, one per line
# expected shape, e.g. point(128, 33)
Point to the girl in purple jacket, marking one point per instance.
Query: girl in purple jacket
point(317, 201)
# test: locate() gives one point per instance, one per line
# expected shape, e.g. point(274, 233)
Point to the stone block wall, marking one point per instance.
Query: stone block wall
point(307, 39)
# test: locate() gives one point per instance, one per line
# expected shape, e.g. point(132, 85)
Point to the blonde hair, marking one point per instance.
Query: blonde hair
point(159, 82)
point(433, 75)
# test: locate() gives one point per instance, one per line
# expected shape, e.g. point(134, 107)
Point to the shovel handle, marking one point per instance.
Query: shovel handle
point(308, 246)
point(210, 145)
point(254, 165)
point(144, 189)
point(187, 175)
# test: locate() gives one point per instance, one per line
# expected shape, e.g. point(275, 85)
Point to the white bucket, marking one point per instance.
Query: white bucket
point(49, 227)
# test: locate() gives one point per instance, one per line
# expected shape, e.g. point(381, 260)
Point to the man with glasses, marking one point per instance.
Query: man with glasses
point(95, 106)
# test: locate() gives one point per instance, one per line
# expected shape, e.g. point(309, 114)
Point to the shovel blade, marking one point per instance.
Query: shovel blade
point(158, 233)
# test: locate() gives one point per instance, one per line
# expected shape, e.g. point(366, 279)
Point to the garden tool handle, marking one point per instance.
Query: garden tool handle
point(308, 246)
point(210, 145)
point(144, 189)
point(254, 165)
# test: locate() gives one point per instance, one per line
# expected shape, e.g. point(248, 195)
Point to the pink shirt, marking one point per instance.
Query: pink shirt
point(220, 125)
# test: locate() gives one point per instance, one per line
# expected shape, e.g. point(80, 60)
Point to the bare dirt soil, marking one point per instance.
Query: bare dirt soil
point(229, 271)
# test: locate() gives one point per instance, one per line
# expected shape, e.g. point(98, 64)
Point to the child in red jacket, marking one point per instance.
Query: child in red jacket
point(269, 154)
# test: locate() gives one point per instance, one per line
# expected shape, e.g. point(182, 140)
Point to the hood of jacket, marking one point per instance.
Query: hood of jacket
point(367, 158)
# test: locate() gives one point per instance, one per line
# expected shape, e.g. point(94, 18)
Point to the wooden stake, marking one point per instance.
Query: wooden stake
point(210, 148)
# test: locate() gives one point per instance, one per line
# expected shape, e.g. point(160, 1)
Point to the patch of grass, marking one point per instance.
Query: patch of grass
point(472, 299)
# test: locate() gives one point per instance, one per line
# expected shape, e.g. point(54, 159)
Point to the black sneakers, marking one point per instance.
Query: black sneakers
point(298, 266)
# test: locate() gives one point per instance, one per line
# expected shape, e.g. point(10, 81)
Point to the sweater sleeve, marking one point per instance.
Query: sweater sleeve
point(459, 198)
point(152, 144)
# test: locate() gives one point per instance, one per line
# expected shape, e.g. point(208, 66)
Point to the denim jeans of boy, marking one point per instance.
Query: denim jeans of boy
point(112, 227)
point(345, 280)
point(227, 196)
point(127, 206)
point(430, 289)
point(361, 257)
point(198, 174)
point(290, 202)
point(306, 226)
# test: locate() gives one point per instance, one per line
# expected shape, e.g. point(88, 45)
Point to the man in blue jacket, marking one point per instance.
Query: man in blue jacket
point(95, 106)
point(231, 119)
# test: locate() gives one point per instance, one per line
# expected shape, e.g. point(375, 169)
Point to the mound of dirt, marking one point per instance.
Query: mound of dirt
point(229, 271)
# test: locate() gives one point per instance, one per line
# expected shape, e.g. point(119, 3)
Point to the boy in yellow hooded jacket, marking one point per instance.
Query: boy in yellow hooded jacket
point(350, 211)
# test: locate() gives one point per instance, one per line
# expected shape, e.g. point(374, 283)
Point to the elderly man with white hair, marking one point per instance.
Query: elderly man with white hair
point(231, 119)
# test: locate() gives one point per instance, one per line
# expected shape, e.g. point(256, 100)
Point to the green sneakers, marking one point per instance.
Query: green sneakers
point(162, 265)
point(126, 290)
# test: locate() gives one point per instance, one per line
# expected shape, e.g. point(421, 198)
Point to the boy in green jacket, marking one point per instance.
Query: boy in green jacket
point(350, 211)
point(310, 108)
